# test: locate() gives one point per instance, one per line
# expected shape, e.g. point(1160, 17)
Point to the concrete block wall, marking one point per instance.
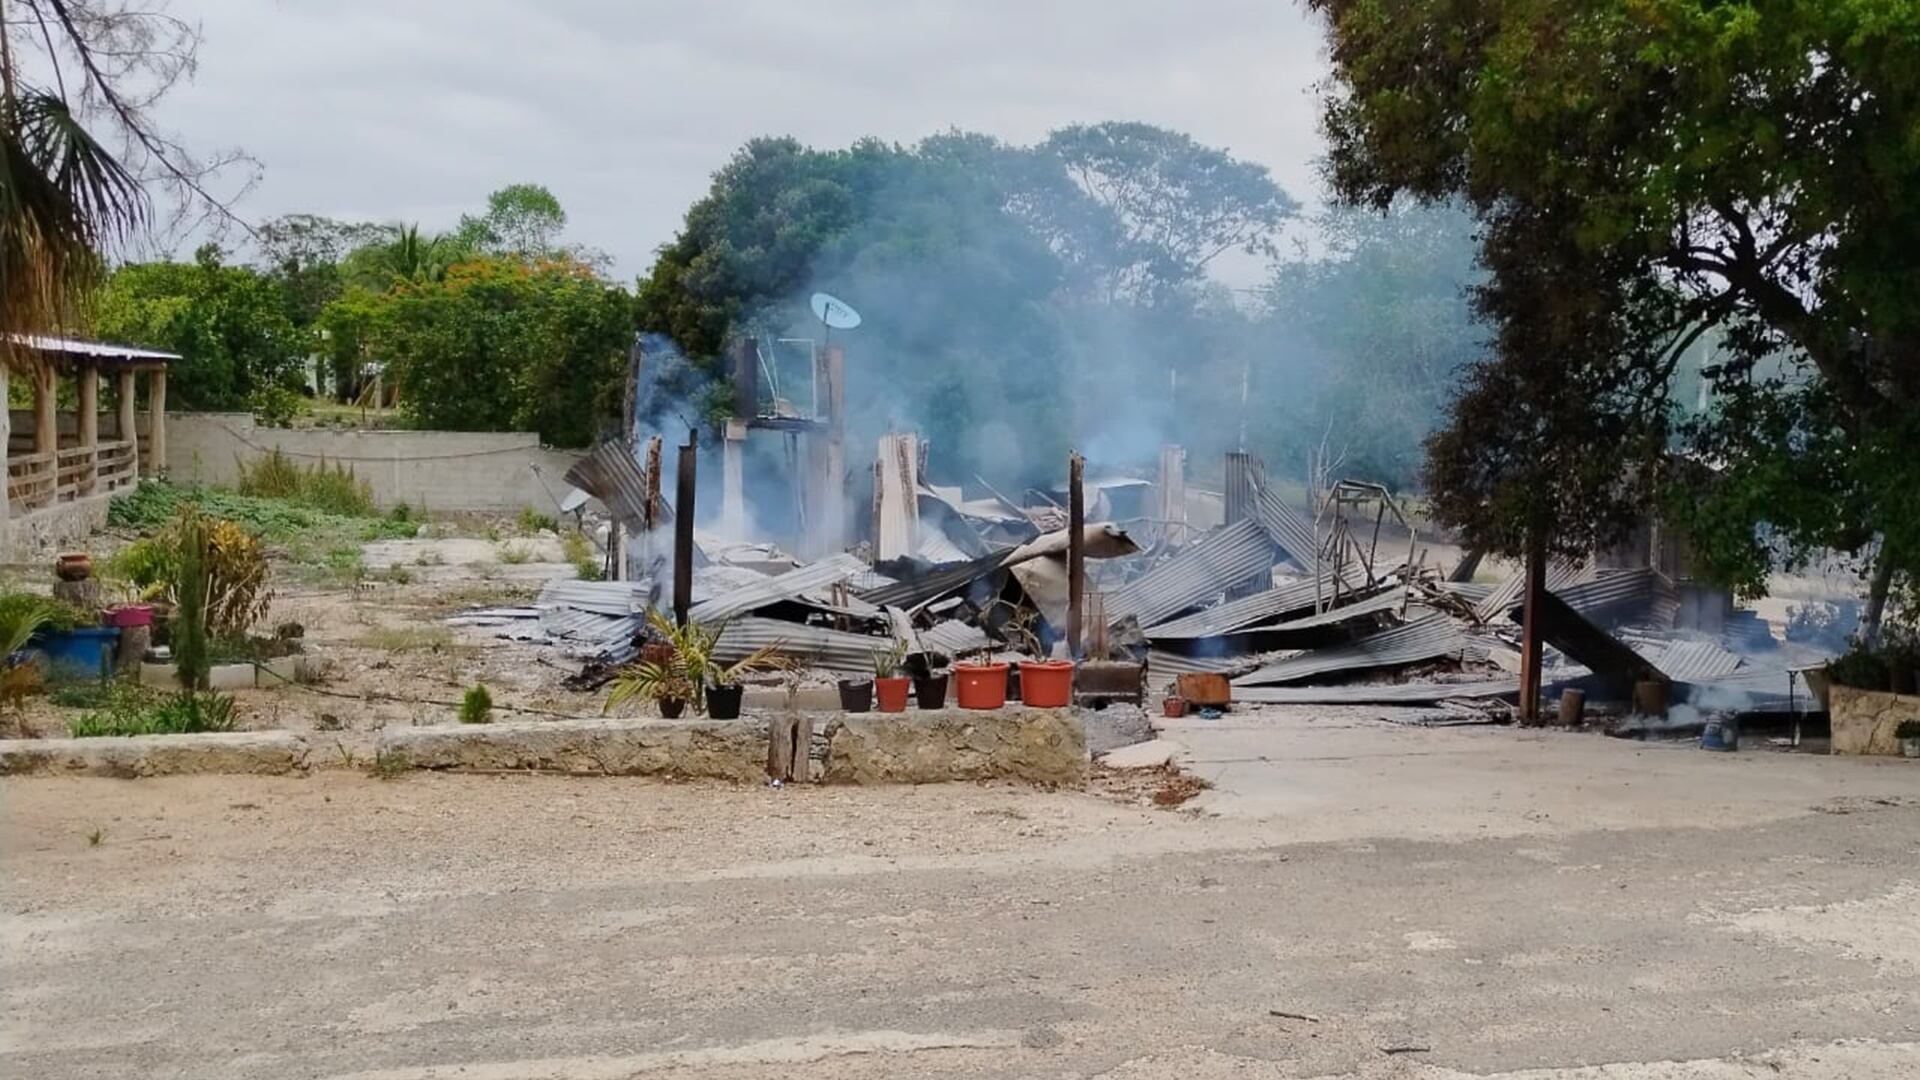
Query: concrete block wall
point(434, 470)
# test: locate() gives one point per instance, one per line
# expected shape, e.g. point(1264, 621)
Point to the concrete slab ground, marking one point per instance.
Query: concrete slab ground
point(1355, 900)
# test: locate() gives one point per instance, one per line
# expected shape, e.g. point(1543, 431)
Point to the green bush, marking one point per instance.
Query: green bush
point(477, 706)
point(132, 711)
point(331, 488)
point(150, 506)
point(276, 405)
point(533, 521)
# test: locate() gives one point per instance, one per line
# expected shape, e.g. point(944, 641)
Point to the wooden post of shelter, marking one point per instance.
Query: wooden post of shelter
point(125, 427)
point(1530, 644)
point(683, 532)
point(157, 420)
point(87, 424)
point(1076, 551)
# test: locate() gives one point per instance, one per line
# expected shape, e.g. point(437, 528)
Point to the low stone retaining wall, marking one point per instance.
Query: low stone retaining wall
point(1864, 720)
point(1040, 746)
point(711, 749)
point(268, 753)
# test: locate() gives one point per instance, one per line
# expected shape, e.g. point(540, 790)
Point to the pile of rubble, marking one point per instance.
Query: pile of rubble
point(1292, 611)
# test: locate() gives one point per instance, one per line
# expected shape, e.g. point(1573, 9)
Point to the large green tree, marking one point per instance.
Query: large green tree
point(1645, 172)
point(228, 323)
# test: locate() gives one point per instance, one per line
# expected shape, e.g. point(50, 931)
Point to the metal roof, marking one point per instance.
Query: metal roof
point(1287, 529)
point(601, 597)
point(1244, 612)
point(611, 475)
point(1693, 660)
point(1220, 560)
point(1412, 693)
point(1560, 574)
point(788, 586)
point(816, 646)
point(1424, 639)
point(90, 350)
point(954, 639)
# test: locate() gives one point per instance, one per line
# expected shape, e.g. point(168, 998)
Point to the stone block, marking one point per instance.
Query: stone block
point(1864, 721)
point(1147, 755)
point(1039, 746)
point(268, 753)
point(713, 749)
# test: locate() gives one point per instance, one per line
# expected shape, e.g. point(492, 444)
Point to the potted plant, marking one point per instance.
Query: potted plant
point(671, 671)
point(929, 678)
point(890, 681)
point(1043, 683)
point(724, 690)
point(1909, 735)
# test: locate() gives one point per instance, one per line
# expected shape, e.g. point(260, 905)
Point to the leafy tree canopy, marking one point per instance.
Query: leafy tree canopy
point(228, 323)
point(523, 220)
point(1645, 171)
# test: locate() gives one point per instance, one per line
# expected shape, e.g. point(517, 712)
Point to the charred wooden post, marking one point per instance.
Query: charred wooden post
point(744, 367)
point(828, 458)
point(1173, 491)
point(1242, 477)
point(683, 532)
point(1076, 551)
point(1530, 639)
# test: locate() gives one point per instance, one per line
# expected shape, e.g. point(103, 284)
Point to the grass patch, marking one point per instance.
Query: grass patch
point(533, 521)
point(333, 489)
point(477, 706)
point(578, 550)
point(406, 639)
point(516, 554)
point(276, 520)
point(132, 710)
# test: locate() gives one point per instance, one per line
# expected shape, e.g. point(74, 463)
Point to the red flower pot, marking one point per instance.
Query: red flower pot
point(980, 686)
point(890, 695)
point(1174, 706)
point(1046, 684)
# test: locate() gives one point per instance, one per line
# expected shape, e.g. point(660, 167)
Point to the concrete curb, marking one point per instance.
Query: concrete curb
point(261, 753)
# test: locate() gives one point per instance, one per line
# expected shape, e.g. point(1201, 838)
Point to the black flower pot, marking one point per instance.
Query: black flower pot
point(1013, 682)
point(723, 702)
point(856, 695)
point(672, 707)
point(931, 691)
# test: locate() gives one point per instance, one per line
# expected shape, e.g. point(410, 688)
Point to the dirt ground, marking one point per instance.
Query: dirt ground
point(1353, 899)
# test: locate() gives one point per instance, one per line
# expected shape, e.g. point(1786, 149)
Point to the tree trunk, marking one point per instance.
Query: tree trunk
point(1877, 597)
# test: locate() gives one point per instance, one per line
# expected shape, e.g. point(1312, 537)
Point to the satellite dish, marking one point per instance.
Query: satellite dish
point(573, 500)
point(836, 313)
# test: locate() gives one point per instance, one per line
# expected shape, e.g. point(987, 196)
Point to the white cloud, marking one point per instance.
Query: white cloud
point(415, 109)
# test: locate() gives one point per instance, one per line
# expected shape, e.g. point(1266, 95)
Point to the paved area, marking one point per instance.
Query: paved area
point(1354, 900)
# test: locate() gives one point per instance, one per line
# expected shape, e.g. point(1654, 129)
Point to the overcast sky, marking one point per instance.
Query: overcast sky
point(412, 110)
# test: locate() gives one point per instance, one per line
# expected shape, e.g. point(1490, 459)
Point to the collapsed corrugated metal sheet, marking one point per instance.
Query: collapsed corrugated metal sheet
point(1428, 638)
point(936, 582)
point(1388, 599)
point(953, 639)
point(1616, 596)
point(787, 586)
point(1202, 572)
point(611, 475)
point(835, 650)
point(588, 632)
point(601, 597)
point(1420, 693)
point(1609, 657)
point(1299, 596)
point(1288, 530)
point(1560, 574)
point(1694, 660)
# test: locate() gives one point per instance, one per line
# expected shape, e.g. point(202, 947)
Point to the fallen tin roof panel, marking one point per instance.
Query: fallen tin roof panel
point(1209, 568)
point(1560, 574)
point(788, 586)
point(937, 582)
point(1585, 643)
point(954, 639)
point(834, 650)
point(602, 597)
point(1412, 693)
point(1237, 614)
point(1287, 529)
point(611, 475)
point(1694, 660)
point(1424, 639)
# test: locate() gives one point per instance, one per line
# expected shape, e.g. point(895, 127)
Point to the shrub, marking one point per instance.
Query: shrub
point(533, 521)
point(188, 634)
point(1908, 729)
point(476, 707)
point(272, 477)
point(1861, 668)
point(131, 711)
point(579, 551)
point(332, 488)
point(276, 405)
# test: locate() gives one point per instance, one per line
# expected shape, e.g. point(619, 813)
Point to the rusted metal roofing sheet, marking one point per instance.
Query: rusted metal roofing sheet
point(788, 586)
point(1203, 572)
point(1424, 639)
point(1411, 693)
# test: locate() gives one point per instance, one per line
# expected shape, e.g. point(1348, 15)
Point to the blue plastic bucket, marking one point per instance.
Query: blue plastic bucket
point(82, 653)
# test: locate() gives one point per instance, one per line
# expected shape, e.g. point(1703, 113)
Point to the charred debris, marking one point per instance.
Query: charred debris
point(1332, 602)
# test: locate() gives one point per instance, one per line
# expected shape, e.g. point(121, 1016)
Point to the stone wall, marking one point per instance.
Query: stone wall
point(271, 753)
point(1039, 746)
point(1864, 720)
point(44, 533)
point(433, 470)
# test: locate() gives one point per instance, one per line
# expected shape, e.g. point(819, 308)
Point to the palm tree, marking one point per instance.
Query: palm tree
point(66, 200)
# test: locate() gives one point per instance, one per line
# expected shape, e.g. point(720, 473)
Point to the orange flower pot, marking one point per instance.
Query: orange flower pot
point(1046, 684)
point(980, 686)
point(890, 695)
